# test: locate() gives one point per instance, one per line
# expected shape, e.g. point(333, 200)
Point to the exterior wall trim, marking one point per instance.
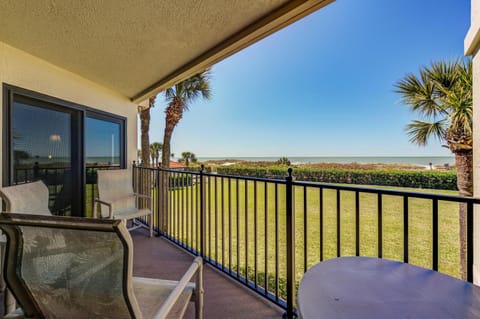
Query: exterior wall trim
point(472, 40)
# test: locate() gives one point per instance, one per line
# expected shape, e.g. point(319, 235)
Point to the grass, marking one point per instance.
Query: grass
point(242, 234)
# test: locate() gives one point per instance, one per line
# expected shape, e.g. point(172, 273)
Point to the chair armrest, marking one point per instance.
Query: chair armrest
point(102, 202)
point(196, 267)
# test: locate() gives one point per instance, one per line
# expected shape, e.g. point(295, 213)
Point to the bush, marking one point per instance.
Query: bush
point(401, 178)
point(283, 161)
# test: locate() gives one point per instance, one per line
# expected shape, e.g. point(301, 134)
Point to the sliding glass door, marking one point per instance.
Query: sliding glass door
point(44, 145)
point(61, 143)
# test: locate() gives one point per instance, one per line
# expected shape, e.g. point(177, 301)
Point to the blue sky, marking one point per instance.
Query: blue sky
point(324, 85)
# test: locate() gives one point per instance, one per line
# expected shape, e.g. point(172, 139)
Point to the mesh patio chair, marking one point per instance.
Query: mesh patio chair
point(118, 200)
point(54, 271)
point(30, 198)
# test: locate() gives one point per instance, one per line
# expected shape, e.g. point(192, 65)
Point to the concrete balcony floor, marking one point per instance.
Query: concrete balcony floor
point(224, 298)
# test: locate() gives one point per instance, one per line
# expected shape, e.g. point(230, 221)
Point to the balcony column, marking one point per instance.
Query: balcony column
point(472, 46)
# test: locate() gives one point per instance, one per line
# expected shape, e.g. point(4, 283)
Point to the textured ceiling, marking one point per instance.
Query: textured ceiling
point(140, 47)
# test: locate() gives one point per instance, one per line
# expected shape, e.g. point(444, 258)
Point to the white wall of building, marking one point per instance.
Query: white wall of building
point(23, 70)
point(472, 45)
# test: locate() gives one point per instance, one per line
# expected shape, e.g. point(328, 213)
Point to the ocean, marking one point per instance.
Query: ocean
point(414, 160)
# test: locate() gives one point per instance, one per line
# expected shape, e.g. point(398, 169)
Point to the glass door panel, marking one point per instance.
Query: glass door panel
point(42, 138)
point(103, 150)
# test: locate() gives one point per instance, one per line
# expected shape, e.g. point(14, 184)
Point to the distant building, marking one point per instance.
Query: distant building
point(176, 165)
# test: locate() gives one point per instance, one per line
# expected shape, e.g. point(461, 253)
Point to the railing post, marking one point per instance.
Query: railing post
point(291, 311)
point(202, 211)
point(159, 218)
point(163, 201)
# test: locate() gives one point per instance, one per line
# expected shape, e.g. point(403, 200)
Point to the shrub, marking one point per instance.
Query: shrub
point(401, 178)
point(283, 161)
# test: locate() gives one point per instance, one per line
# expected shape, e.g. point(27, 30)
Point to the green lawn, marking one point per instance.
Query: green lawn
point(262, 214)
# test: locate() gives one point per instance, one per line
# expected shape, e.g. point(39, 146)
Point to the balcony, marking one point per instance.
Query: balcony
point(266, 233)
point(259, 236)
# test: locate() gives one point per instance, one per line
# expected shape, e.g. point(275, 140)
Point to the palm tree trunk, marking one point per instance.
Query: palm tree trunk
point(145, 139)
point(167, 136)
point(145, 128)
point(464, 163)
point(173, 114)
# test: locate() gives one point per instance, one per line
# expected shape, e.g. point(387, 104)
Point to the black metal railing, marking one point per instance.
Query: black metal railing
point(265, 233)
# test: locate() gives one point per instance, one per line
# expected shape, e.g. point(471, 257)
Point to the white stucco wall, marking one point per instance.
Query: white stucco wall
point(29, 72)
point(472, 46)
point(476, 163)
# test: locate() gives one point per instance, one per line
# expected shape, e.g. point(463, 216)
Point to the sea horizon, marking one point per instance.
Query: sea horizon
point(413, 160)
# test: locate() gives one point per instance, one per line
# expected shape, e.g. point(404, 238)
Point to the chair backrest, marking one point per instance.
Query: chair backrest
point(69, 267)
point(115, 186)
point(30, 198)
point(115, 183)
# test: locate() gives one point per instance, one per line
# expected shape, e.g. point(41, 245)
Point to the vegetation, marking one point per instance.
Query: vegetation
point(283, 161)
point(400, 178)
point(188, 157)
point(155, 149)
point(442, 97)
point(179, 98)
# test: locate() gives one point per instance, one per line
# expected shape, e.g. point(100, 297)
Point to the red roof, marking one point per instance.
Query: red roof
point(176, 165)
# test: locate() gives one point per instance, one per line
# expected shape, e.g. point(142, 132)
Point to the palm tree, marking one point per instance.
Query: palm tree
point(155, 149)
point(179, 97)
point(145, 127)
point(442, 97)
point(188, 157)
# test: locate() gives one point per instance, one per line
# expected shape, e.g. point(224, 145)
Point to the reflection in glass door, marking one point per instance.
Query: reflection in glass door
point(43, 137)
point(103, 150)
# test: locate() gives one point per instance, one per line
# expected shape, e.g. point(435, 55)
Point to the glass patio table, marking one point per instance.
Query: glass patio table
point(363, 287)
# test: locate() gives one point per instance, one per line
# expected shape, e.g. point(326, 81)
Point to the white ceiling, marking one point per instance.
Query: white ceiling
point(140, 47)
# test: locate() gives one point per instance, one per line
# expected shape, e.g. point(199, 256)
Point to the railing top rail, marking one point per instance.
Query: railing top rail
point(258, 179)
point(250, 178)
point(366, 189)
point(169, 170)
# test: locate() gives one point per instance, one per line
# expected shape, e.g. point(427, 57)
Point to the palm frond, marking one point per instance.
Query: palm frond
point(197, 86)
point(418, 93)
point(442, 96)
point(421, 131)
point(444, 77)
point(170, 93)
point(461, 103)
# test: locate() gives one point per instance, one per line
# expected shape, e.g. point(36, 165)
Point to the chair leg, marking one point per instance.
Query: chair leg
point(3, 285)
point(10, 302)
point(150, 219)
point(199, 294)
